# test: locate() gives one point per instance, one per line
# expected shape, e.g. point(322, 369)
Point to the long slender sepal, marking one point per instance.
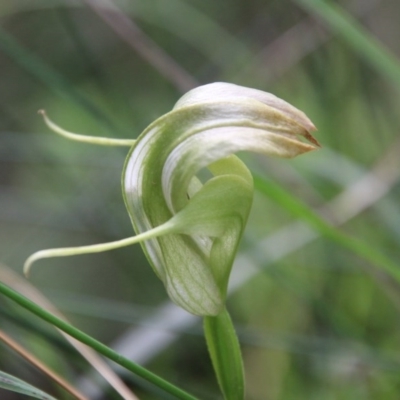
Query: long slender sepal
point(102, 141)
point(224, 349)
point(96, 248)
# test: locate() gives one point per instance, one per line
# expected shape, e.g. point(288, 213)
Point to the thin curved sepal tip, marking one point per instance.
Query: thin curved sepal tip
point(84, 138)
point(164, 229)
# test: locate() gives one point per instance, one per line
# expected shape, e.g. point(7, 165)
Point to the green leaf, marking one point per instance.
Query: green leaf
point(17, 385)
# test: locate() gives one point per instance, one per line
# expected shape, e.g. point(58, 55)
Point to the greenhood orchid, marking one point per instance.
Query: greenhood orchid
point(190, 230)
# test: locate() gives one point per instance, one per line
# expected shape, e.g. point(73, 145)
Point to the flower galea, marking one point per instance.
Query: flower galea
point(190, 228)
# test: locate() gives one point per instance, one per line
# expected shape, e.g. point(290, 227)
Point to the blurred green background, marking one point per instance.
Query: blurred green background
point(315, 320)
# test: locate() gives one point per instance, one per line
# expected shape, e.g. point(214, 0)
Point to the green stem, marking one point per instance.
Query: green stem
point(224, 349)
point(94, 344)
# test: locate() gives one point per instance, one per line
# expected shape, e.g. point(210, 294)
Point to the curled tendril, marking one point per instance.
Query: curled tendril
point(190, 230)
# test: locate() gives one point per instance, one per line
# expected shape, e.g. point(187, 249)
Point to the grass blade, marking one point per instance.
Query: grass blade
point(13, 384)
point(95, 344)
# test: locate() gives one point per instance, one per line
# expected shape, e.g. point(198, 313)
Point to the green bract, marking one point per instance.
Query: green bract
point(190, 230)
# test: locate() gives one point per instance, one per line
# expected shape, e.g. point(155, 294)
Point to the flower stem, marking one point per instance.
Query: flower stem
point(224, 349)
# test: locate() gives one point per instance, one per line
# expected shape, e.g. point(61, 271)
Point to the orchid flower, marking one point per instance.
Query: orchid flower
point(189, 229)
